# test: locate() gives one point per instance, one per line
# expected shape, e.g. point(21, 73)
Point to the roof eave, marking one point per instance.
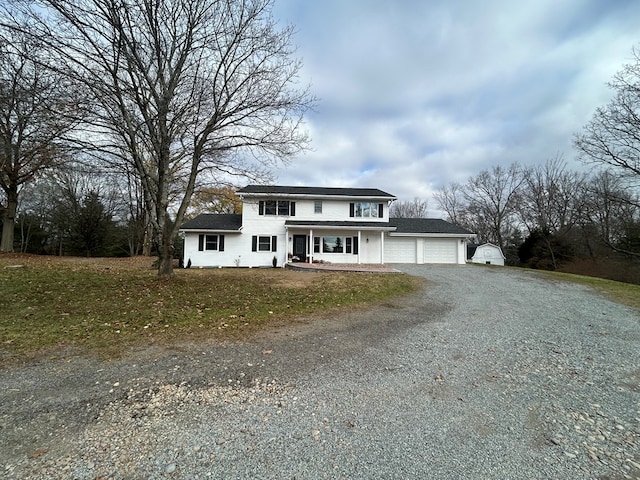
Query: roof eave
point(307, 196)
point(432, 234)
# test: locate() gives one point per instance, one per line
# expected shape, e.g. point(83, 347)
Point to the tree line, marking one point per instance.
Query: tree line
point(118, 116)
point(546, 215)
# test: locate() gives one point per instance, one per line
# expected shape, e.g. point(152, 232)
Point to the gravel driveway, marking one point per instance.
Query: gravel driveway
point(487, 373)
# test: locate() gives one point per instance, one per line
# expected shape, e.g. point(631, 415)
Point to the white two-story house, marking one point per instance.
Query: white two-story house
point(313, 224)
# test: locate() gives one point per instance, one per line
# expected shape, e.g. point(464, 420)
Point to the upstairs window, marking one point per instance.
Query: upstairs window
point(366, 210)
point(282, 208)
point(317, 206)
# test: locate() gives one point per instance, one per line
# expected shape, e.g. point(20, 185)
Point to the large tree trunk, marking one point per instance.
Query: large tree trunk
point(8, 222)
point(165, 258)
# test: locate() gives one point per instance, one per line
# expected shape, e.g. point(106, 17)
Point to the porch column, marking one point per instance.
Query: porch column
point(286, 247)
point(310, 246)
point(382, 247)
point(359, 245)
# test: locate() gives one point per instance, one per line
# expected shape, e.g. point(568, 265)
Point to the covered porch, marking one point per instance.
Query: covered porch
point(336, 242)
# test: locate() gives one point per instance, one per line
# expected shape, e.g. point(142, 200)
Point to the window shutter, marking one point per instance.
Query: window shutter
point(293, 209)
point(355, 245)
point(200, 243)
point(348, 241)
point(274, 243)
point(352, 209)
point(261, 207)
point(254, 243)
point(380, 210)
point(221, 243)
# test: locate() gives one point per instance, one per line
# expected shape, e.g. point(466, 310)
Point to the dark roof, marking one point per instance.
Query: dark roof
point(427, 225)
point(214, 221)
point(312, 191)
point(331, 223)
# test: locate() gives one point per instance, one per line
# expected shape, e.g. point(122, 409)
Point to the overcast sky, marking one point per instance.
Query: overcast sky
point(414, 94)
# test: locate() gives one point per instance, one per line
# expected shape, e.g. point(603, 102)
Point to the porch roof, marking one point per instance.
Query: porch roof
point(341, 225)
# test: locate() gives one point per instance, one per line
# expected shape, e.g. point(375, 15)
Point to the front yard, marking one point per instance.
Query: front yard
point(105, 306)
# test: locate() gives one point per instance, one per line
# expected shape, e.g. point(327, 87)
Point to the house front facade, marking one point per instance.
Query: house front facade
point(315, 224)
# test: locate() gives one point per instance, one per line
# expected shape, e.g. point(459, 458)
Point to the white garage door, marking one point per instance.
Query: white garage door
point(441, 250)
point(399, 250)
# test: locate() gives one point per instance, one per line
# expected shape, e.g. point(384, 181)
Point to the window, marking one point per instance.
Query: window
point(332, 244)
point(260, 243)
point(264, 244)
point(317, 206)
point(283, 208)
point(270, 207)
point(366, 210)
point(211, 243)
point(335, 244)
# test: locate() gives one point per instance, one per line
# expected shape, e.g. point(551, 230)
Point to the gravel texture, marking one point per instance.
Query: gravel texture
point(487, 373)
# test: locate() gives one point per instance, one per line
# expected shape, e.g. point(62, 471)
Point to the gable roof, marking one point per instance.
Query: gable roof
point(427, 225)
point(214, 221)
point(314, 191)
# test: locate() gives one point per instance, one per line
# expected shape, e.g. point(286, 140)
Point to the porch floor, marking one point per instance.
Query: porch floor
point(342, 267)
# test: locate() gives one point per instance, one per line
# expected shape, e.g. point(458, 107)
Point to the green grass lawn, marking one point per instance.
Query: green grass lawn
point(105, 306)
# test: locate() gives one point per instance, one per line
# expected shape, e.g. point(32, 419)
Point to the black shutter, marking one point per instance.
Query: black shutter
point(347, 247)
point(380, 210)
point(355, 245)
point(254, 243)
point(274, 243)
point(221, 243)
point(261, 207)
point(200, 243)
point(293, 209)
point(352, 209)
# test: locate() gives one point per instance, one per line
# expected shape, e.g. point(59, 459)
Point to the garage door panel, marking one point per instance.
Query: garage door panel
point(440, 250)
point(400, 250)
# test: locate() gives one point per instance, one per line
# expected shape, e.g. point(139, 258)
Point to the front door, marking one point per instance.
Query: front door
point(300, 247)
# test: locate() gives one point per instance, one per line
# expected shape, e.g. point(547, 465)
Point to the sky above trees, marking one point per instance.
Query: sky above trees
point(415, 94)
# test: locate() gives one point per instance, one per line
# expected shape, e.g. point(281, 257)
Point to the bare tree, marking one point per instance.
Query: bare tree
point(451, 200)
point(550, 201)
point(178, 88)
point(612, 137)
point(416, 208)
point(612, 210)
point(33, 103)
point(491, 203)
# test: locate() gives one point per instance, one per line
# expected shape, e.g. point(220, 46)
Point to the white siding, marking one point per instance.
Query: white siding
point(441, 250)
point(400, 250)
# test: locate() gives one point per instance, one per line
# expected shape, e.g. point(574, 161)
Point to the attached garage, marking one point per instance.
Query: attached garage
point(441, 250)
point(400, 250)
point(425, 240)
